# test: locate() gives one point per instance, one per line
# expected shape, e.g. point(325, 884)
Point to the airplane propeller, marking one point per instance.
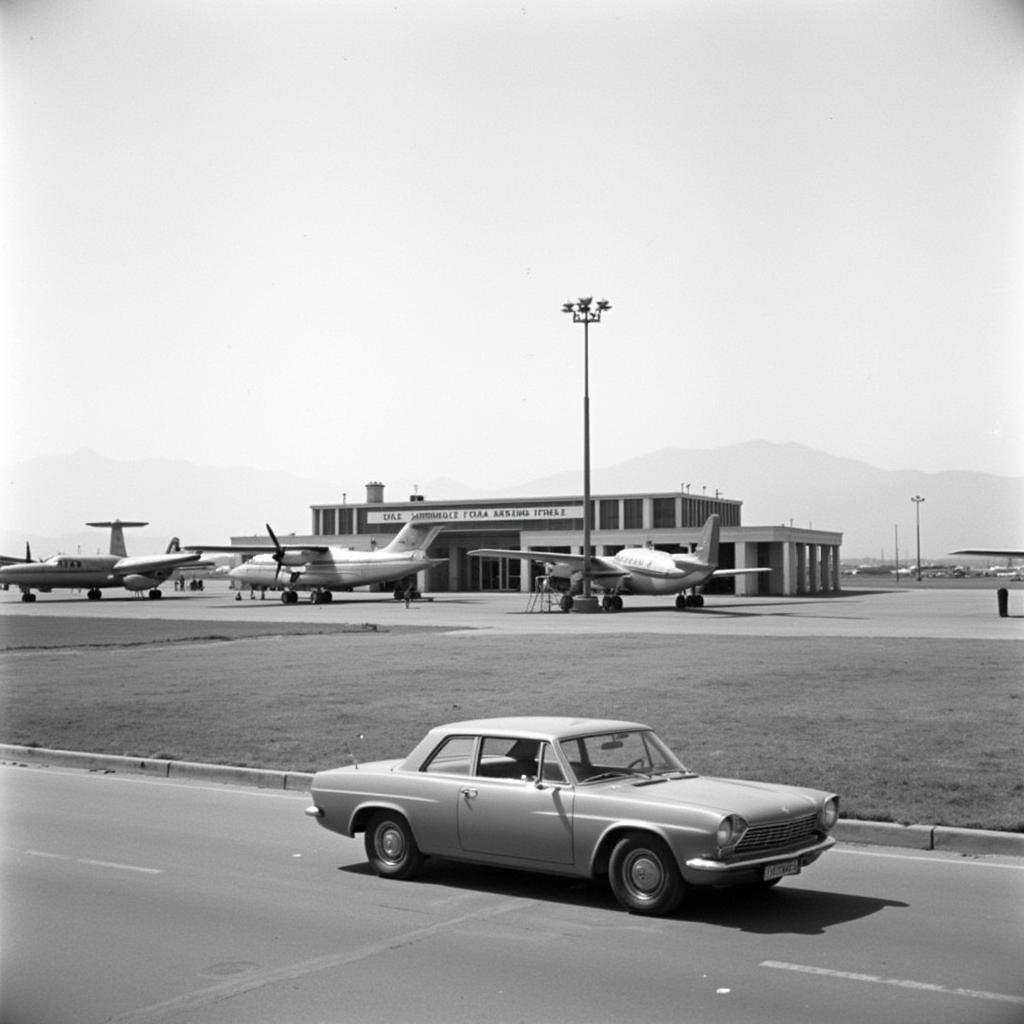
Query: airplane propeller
point(278, 554)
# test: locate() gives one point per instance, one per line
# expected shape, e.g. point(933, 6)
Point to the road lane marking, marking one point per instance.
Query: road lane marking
point(967, 860)
point(875, 979)
point(95, 863)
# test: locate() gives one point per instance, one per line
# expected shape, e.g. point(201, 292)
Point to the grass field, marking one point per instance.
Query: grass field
point(905, 730)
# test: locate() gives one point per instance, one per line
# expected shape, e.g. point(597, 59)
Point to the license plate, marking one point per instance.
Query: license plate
point(786, 867)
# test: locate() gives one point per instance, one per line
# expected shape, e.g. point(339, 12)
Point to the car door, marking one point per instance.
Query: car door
point(514, 807)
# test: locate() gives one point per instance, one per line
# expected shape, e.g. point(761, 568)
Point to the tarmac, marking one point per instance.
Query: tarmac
point(923, 611)
point(897, 612)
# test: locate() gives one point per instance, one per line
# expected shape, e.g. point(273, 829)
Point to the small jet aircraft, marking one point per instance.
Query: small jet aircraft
point(633, 570)
point(97, 572)
point(323, 568)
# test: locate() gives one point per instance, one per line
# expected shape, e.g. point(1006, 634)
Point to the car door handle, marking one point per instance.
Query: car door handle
point(468, 793)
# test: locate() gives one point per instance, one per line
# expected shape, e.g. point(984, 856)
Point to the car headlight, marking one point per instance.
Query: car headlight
point(730, 830)
point(829, 813)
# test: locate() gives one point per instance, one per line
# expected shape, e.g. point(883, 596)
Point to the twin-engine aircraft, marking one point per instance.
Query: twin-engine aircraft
point(633, 570)
point(323, 568)
point(94, 573)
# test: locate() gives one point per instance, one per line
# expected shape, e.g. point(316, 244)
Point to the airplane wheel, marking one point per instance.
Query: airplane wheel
point(617, 602)
point(27, 598)
point(95, 594)
point(681, 602)
point(565, 603)
point(698, 600)
point(154, 594)
point(327, 597)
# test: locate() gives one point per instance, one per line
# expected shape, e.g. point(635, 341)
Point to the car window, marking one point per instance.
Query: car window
point(504, 757)
point(454, 755)
point(618, 753)
point(551, 770)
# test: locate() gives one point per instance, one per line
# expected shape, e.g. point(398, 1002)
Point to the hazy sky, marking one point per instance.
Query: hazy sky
point(334, 236)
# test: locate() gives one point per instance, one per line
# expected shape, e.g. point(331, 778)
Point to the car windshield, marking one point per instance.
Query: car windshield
point(608, 755)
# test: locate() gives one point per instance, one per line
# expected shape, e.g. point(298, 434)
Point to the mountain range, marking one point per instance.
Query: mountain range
point(46, 500)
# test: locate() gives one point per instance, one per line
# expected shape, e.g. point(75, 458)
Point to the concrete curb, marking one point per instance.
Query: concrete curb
point(875, 833)
point(158, 767)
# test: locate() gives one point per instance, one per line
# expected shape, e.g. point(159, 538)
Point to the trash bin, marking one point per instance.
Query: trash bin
point(1003, 600)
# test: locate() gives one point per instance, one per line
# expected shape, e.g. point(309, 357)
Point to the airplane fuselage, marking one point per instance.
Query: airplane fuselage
point(656, 572)
point(76, 572)
point(340, 569)
point(91, 573)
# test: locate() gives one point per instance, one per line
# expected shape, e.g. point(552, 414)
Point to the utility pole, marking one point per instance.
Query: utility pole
point(917, 499)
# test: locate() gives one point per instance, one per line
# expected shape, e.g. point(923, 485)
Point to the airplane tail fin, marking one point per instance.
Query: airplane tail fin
point(415, 536)
point(174, 547)
point(117, 535)
point(707, 548)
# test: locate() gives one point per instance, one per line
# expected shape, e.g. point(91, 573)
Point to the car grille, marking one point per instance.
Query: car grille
point(759, 838)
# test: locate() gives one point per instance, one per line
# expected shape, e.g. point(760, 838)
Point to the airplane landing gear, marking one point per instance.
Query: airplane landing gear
point(154, 594)
point(689, 601)
point(95, 594)
point(289, 597)
point(27, 596)
point(320, 596)
point(611, 603)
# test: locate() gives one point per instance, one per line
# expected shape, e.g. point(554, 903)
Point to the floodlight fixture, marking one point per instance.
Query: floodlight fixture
point(584, 312)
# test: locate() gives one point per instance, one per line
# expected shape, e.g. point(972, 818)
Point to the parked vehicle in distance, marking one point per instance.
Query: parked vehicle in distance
point(574, 796)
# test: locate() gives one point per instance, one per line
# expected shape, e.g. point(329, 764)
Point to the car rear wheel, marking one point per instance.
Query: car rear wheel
point(644, 876)
point(391, 847)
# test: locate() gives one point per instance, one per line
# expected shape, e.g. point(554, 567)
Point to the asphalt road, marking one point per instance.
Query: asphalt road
point(136, 901)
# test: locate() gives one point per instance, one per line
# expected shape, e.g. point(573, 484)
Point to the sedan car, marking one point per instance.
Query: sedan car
point(583, 797)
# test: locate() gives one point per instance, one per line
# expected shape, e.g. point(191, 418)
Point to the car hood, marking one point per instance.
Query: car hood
point(754, 801)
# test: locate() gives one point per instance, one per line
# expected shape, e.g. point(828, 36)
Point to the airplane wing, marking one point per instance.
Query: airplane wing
point(599, 568)
point(997, 552)
point(736, 572)
point(146, 564)
point(259, 549)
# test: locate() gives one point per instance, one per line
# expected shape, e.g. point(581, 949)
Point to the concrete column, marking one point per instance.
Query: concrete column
point(747, 584)
point(789, 569)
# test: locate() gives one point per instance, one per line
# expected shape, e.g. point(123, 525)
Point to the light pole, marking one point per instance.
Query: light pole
point(917, 499)
point(584, 312)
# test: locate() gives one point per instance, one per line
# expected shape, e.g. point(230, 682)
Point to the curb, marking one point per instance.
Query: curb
point(874, 833)
point(227, 774)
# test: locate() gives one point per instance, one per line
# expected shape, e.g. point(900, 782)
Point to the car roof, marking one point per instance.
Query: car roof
point(542, 726)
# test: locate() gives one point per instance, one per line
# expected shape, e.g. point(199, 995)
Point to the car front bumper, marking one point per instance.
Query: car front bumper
point(705, 871)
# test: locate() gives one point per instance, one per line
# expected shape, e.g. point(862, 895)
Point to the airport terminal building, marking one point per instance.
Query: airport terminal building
point(802, 561)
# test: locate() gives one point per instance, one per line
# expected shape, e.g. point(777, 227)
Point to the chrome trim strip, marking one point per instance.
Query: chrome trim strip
point(719, 866)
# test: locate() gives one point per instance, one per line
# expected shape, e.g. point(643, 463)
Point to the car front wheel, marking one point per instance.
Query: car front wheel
point(644, 876)
point(391, 847)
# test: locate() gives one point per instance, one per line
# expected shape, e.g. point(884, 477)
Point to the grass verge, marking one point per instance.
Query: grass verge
point(905, 730)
